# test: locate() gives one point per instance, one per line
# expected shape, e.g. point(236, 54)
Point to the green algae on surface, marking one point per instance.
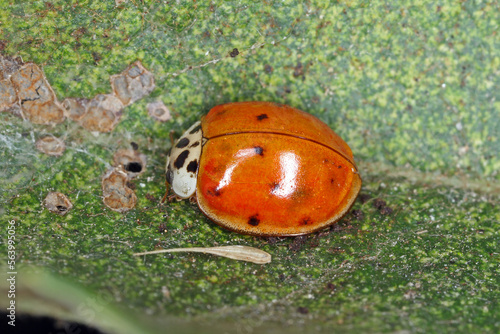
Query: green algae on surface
point(410, 85)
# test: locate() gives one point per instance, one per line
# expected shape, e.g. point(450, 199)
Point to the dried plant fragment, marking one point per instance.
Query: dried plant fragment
point(132, 84)
point(37, 99)
point(51, 145)
point(240, 253)
point(103, 113)
point(57, 203)
point(8, 94)
point(131, 161)
point(159, 111)
point(75, 108)
point(116, 194)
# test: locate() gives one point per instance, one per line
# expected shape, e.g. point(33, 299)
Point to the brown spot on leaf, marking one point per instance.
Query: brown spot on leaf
point(234, 53)
point(299, 71)
point(97, 57)
point(382, 207)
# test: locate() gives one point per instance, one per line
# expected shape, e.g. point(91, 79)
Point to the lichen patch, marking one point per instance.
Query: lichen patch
point(9, 65)
point(25, 92)
point(50, 145)
point(117, 195)
point(132, 84)
point(131, 161)
point(102, 113)
point(159, 111)
point(37, 99)
point(75, 108)
point(8, 94)
point(58, 203)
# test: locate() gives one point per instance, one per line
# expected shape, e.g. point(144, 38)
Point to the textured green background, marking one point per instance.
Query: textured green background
point(412, 87)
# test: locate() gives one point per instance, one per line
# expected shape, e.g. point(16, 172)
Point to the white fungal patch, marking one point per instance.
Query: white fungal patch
point(183, 162)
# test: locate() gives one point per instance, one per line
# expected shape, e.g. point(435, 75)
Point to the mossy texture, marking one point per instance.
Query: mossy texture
point(412, 87)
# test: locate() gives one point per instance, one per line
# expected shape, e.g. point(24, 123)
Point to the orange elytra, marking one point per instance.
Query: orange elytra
point(264, 169)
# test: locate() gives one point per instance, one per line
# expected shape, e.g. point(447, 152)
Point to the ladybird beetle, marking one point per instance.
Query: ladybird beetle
point(264, 169)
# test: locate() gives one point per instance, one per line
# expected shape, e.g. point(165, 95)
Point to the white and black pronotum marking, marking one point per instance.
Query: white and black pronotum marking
point(183, 161)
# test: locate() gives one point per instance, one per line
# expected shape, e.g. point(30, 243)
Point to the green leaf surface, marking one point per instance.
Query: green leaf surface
point(412, 86)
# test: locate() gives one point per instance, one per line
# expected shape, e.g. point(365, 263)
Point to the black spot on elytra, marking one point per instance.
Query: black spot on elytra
point(261, 117)
point(332, 181)
point(179, 162)
point(339, 166)
point(169, 175)
point(133, 167)
point(213, 192)
point(305, 221)
point(183, 142)
point(254, 220)
point(274, 186)
point(195, 144)
point(259, 150)
point(196, 129)
point(192, 166)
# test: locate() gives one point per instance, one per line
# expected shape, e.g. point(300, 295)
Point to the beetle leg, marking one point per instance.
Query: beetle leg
point(166, 193)
point(172, 140)
point(192, 199)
